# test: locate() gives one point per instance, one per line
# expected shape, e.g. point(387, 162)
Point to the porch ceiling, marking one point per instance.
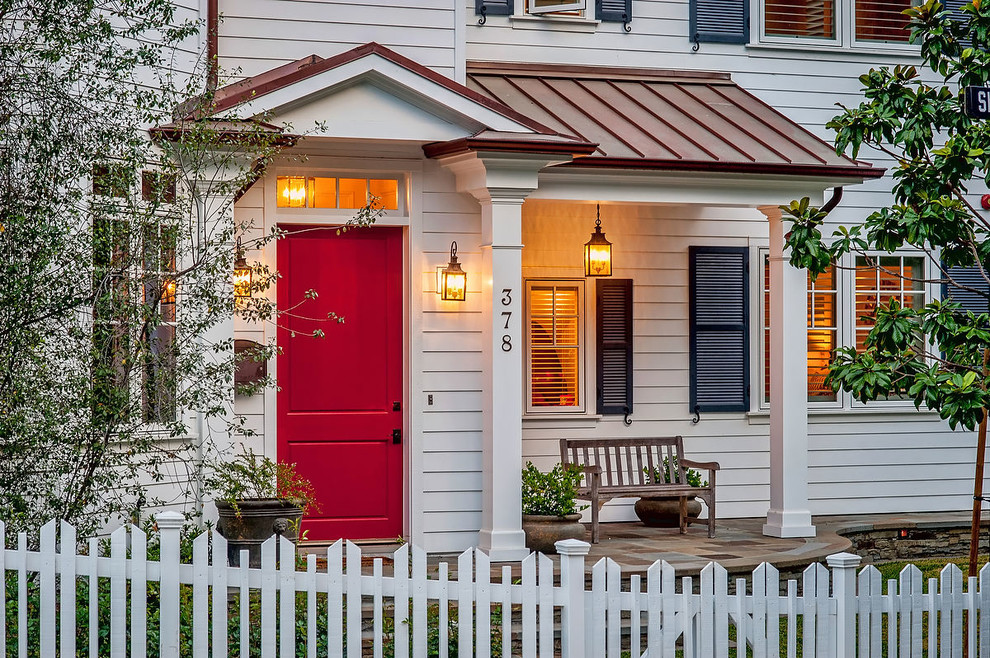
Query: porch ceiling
point(663, 120)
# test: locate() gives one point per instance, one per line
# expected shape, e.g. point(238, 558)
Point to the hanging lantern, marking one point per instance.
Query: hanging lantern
point(242, 275)
point(452, 283)
point(598, 251)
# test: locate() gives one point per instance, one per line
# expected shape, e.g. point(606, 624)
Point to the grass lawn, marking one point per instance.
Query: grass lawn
point(929, 568)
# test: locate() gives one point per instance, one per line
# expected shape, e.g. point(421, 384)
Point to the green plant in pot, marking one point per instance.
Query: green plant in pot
point(256, 498)
point(549, 508)
point(663, 511)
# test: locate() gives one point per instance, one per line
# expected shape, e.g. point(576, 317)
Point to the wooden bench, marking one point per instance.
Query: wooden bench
point(624, 468)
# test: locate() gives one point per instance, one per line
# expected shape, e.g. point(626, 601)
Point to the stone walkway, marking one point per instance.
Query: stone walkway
point(739, 545)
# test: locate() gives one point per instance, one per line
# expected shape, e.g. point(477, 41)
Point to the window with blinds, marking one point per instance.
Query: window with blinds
point(555, 344)
point(799, 18)
point(823, 331)
point(878, 280)
point(882, 22)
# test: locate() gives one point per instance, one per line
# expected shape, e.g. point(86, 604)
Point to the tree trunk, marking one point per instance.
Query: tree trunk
point(974, 539)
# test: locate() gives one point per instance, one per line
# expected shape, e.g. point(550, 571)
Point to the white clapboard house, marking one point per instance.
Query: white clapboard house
point(508, 128)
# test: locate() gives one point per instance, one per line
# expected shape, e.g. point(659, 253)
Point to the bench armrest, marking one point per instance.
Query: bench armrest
point(711, 466)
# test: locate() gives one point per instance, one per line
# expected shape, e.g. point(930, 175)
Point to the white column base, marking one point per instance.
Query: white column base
point(503, 545)
point(789, 523)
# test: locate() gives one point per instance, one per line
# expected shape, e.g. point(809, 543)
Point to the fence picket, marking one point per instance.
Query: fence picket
point(688, 617)
point(653, 604)
point(139, 592)
point(353, 588)
point(67, 590)
point(984, 605)
point(866, 579)
point(706, 615)
point(201, 612)
point(118, 593)
point(465, 602)
point(809, 599)
point(545, 573)
point(400, 602)
point(335, 600)
point(378, 610)
point(721, 638)
point(269, 581)
point(483, 605)
point(635, 615)
point(956, 589)
point(594, 627)
point(773, 610)
point(916, 604)
point(419, 604)
point(891, 601)
point(826, 614)
point(613, 626)
point(506, 611)
point(22, 633)
point(528, 606)
point(443, 617)
point(3, 589)
point(971, 605)
point(92, 563)
point(740, 616)
point(47, 590)
point(311, 605)
point(792, 606)
point(668, 611)
point(932, 616)
point(287, 590)
point(760, 611)
point(244, 603)
point(218, 560)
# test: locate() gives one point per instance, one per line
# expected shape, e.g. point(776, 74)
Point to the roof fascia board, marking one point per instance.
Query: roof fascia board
point(395, 79)
point(676, 188)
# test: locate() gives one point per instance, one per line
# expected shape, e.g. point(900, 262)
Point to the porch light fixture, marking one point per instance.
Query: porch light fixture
point(598, 250)
point(452, 280)
point(242, 275)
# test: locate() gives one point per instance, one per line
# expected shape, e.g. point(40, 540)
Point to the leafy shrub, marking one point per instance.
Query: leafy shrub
point(552, 493)
point(250, 476)
point(692, 477)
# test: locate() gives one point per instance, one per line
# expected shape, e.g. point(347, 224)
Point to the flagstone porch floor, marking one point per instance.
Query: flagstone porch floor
point(739, 545)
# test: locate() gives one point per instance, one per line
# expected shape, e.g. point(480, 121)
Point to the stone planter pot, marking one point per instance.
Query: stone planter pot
point(543, 531)
point(258, 520)
point(664, 511)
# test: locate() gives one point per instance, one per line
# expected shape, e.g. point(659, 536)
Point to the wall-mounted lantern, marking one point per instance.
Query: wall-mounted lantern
point(598, 250)
point(452, 280)
point(242, 275)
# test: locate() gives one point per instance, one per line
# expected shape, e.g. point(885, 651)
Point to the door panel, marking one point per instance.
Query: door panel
point(336, 412)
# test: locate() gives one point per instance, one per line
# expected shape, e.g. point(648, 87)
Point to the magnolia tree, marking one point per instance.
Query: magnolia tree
point(116, 258)
point(936, 355)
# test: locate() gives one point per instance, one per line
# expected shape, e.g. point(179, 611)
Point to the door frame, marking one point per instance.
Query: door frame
point(408, 171)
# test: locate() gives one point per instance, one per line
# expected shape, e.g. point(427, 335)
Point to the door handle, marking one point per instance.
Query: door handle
point(396, 437)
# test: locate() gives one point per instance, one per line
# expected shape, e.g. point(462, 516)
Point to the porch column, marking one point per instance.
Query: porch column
point(501, 182)
point(789, 515)
point(501, 248)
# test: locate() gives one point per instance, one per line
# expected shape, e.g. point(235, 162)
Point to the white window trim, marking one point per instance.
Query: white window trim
point(581, 409)
point(762, 405)
point(845, 35)
point(562, 5)
point(564, 11)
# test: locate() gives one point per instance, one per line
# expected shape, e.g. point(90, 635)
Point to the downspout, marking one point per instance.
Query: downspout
point(833, 202)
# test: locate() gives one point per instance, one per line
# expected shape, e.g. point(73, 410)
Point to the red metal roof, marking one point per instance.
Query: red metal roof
point(652, 119)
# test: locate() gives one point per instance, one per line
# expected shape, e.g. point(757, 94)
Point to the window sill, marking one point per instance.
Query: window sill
point(565, 420)
point(559, 23)
point(773, 49)
point(856, 414)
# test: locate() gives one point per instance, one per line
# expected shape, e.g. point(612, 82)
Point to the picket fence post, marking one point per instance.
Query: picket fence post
point(572, 621)
point(169, 526)
point(843, 566)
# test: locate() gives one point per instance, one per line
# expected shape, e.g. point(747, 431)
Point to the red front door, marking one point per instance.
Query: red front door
point(339, 407)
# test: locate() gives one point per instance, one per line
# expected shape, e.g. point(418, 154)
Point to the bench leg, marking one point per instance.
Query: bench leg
point(711, 516)
point(595, 508)
point(682, 513)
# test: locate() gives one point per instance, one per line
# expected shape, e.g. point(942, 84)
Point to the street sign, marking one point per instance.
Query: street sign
point(978, 102)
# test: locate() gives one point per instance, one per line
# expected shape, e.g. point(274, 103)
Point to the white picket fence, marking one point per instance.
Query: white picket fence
point(66, 604)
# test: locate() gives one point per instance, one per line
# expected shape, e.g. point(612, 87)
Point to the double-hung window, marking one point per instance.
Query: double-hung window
point(883, 278)
point(845, 23)
point(823, 332)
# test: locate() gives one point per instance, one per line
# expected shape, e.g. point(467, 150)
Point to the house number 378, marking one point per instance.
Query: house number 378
point(506, 301)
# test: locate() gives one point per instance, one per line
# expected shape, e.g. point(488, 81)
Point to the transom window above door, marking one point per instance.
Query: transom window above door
point(336, 192)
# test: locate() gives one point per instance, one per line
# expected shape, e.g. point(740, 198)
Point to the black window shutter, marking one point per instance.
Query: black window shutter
point(719, 328)
point(493, 7)
point(614, 10)
point(971, 277)
point(615, 345)
point(724, 21)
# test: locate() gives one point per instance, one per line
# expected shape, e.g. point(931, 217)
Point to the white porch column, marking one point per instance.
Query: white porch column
point(501, 182)
point(789, 515)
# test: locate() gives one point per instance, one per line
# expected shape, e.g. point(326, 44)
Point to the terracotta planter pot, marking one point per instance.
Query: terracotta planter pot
point(258, 520)
point(664, 511)
point(543, 531)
